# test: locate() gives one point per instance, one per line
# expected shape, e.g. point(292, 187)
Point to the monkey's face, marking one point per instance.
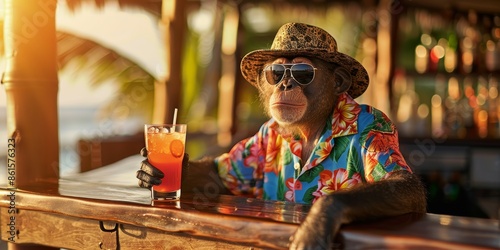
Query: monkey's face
point(293, 104)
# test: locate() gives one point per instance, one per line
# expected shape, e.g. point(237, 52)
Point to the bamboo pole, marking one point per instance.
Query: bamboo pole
point(168, 91)
point(31, 86)
point(227, 82)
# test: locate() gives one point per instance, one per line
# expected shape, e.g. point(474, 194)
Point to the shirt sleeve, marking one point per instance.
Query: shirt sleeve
point(381, 153)
point(241, 169)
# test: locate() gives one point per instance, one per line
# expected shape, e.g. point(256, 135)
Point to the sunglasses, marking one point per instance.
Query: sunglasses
point(302, 73)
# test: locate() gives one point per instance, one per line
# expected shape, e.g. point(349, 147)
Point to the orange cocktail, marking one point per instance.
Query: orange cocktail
point(165, 145)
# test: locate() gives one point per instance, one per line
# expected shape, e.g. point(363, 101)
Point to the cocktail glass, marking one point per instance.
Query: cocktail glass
point(165, 144)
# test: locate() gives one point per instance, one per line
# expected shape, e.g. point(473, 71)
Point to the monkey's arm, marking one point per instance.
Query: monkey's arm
point(197, 176)
point(200, 177)
point(400, 193)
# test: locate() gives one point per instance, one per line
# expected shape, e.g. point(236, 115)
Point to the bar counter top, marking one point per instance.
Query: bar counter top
point(84, 215)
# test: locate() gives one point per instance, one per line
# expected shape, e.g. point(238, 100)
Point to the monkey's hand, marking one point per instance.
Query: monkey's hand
point(317, 231)
point(148, 175)
point(399, 193)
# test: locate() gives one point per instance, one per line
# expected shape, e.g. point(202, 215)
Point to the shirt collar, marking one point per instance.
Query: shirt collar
point(344, 118)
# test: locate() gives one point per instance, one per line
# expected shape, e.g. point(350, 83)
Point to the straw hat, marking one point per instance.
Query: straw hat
point(298, 39)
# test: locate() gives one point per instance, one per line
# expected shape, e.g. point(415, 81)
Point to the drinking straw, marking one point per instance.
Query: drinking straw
point(175, 117)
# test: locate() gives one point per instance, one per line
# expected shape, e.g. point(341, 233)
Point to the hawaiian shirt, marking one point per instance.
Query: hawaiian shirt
point(358, 145)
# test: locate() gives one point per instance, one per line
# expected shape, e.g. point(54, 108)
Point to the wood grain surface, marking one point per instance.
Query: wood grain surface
point(78, 215)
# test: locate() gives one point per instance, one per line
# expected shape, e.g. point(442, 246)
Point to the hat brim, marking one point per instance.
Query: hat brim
point(253, 63)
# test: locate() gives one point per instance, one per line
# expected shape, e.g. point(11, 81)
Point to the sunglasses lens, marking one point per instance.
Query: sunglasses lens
point(274, 73)
point(303, 73)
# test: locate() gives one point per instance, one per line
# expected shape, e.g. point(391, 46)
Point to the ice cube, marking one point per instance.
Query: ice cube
point(164, 130)
point(151, 129)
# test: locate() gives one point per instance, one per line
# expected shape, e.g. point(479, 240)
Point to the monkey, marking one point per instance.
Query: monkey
point(330, 139)
point(294, 111)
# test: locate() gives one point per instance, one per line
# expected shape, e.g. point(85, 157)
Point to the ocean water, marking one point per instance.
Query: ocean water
point(74, 123)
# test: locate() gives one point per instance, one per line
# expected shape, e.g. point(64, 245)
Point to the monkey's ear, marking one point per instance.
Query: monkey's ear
point(342, 80)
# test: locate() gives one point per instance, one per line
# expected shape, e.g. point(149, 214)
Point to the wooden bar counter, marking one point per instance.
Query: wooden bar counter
point(85, 215)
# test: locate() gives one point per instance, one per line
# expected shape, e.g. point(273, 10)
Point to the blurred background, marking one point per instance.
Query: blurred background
point(434, 69)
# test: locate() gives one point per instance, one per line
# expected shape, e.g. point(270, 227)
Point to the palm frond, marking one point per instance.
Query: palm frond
point(102, 65)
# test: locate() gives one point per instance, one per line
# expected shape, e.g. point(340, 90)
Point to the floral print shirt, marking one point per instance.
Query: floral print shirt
point(358, 145)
